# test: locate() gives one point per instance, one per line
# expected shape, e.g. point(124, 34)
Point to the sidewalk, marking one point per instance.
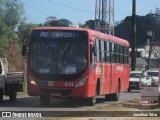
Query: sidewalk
point(129, 109)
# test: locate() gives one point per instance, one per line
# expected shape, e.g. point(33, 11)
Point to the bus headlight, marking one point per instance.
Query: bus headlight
point(82, 82)
point(33, 82)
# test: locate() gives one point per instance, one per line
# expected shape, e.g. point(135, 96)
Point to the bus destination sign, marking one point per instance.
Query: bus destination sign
point(58, 34)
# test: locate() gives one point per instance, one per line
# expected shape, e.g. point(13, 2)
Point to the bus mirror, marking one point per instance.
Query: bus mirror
point(24, 50)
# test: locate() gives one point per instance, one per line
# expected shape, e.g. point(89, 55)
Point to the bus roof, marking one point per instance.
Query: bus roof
point(91, 32)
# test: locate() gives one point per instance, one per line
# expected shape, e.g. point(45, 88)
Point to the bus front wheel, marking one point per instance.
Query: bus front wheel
point(45, 100)
point(91, 101)
point(13, 93)
point(1, 94)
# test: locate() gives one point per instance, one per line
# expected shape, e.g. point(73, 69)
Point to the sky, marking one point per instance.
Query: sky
point(79, 11)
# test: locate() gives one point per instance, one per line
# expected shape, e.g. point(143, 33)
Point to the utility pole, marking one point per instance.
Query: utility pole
point(133, 43)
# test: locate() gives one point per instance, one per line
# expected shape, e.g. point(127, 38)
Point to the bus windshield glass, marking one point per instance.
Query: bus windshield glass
point(58, 52)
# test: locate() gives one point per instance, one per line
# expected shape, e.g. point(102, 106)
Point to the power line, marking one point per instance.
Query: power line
point(70, 7)
point(33, 18)
point(46, 8)
point(40, 9)
point(34, 7)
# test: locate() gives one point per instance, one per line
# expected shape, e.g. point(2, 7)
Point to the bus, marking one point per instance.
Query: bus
point(76, 63)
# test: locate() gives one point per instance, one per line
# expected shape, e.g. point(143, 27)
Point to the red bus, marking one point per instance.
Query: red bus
point(76, 62)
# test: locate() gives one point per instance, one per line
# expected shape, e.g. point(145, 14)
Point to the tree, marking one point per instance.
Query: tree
point(24, 30)
point(11, 13)
point(53, 21)
point(64, 22)
point(88, 24)
point(143, 23)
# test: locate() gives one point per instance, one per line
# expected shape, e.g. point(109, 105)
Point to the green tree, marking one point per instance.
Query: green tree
point(11, 13)
point(88, 24)
point(64, 22)
point(24, 30)
point(143, 25)
point(53, 21)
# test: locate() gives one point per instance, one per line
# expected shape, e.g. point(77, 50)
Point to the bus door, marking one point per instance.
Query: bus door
point(111, 47)
point(107, 69)
point(104, 58)
point(149, 88)
point(100, 67)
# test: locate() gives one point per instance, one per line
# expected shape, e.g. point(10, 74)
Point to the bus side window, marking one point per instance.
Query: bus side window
point(116, 53)
point(112, 53)
point(102, 51)
point(0, 68)
point(98, 51)
point(108, 51)
point(92, 50)
point(105, 51)
point(127, 53)
point(121, 54)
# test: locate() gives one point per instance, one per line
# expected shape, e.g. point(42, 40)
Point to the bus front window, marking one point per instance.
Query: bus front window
point(63, 56)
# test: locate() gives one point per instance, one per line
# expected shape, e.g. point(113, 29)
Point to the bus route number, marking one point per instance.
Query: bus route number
point(44, 34)
point(68, 84)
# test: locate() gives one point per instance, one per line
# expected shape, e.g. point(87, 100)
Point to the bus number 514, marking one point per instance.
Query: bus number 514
point(68, 84)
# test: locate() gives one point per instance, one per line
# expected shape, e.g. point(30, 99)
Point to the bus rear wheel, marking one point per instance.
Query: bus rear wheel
point(108, 97)
point(45, 100)
point(115, 96)
point(129, 89)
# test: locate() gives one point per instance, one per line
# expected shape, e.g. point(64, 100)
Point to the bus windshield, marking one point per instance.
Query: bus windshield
point(58, 52)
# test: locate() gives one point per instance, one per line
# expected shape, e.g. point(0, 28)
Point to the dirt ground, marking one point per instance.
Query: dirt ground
point(124, 110)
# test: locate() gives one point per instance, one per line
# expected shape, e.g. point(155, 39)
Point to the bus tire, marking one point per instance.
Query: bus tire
point(45, 100)
point(115, 96)
point(1, 94)
point(91, 101)
point(129, 89)
point(108, 97)
point(13, 93)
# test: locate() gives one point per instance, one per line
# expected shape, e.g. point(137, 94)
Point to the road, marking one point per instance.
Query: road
point(27, 103)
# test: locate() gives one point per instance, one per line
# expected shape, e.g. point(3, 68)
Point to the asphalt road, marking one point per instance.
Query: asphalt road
point(27, 103)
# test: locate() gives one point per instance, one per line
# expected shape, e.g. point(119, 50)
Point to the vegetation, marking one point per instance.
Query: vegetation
point(143, 25)
point(53, 21)
point(14, 29)
point(11, 12)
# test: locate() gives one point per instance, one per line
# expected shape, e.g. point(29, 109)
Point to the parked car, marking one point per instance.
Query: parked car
point(153, 73)
point(134, 80)
point(10, 82)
